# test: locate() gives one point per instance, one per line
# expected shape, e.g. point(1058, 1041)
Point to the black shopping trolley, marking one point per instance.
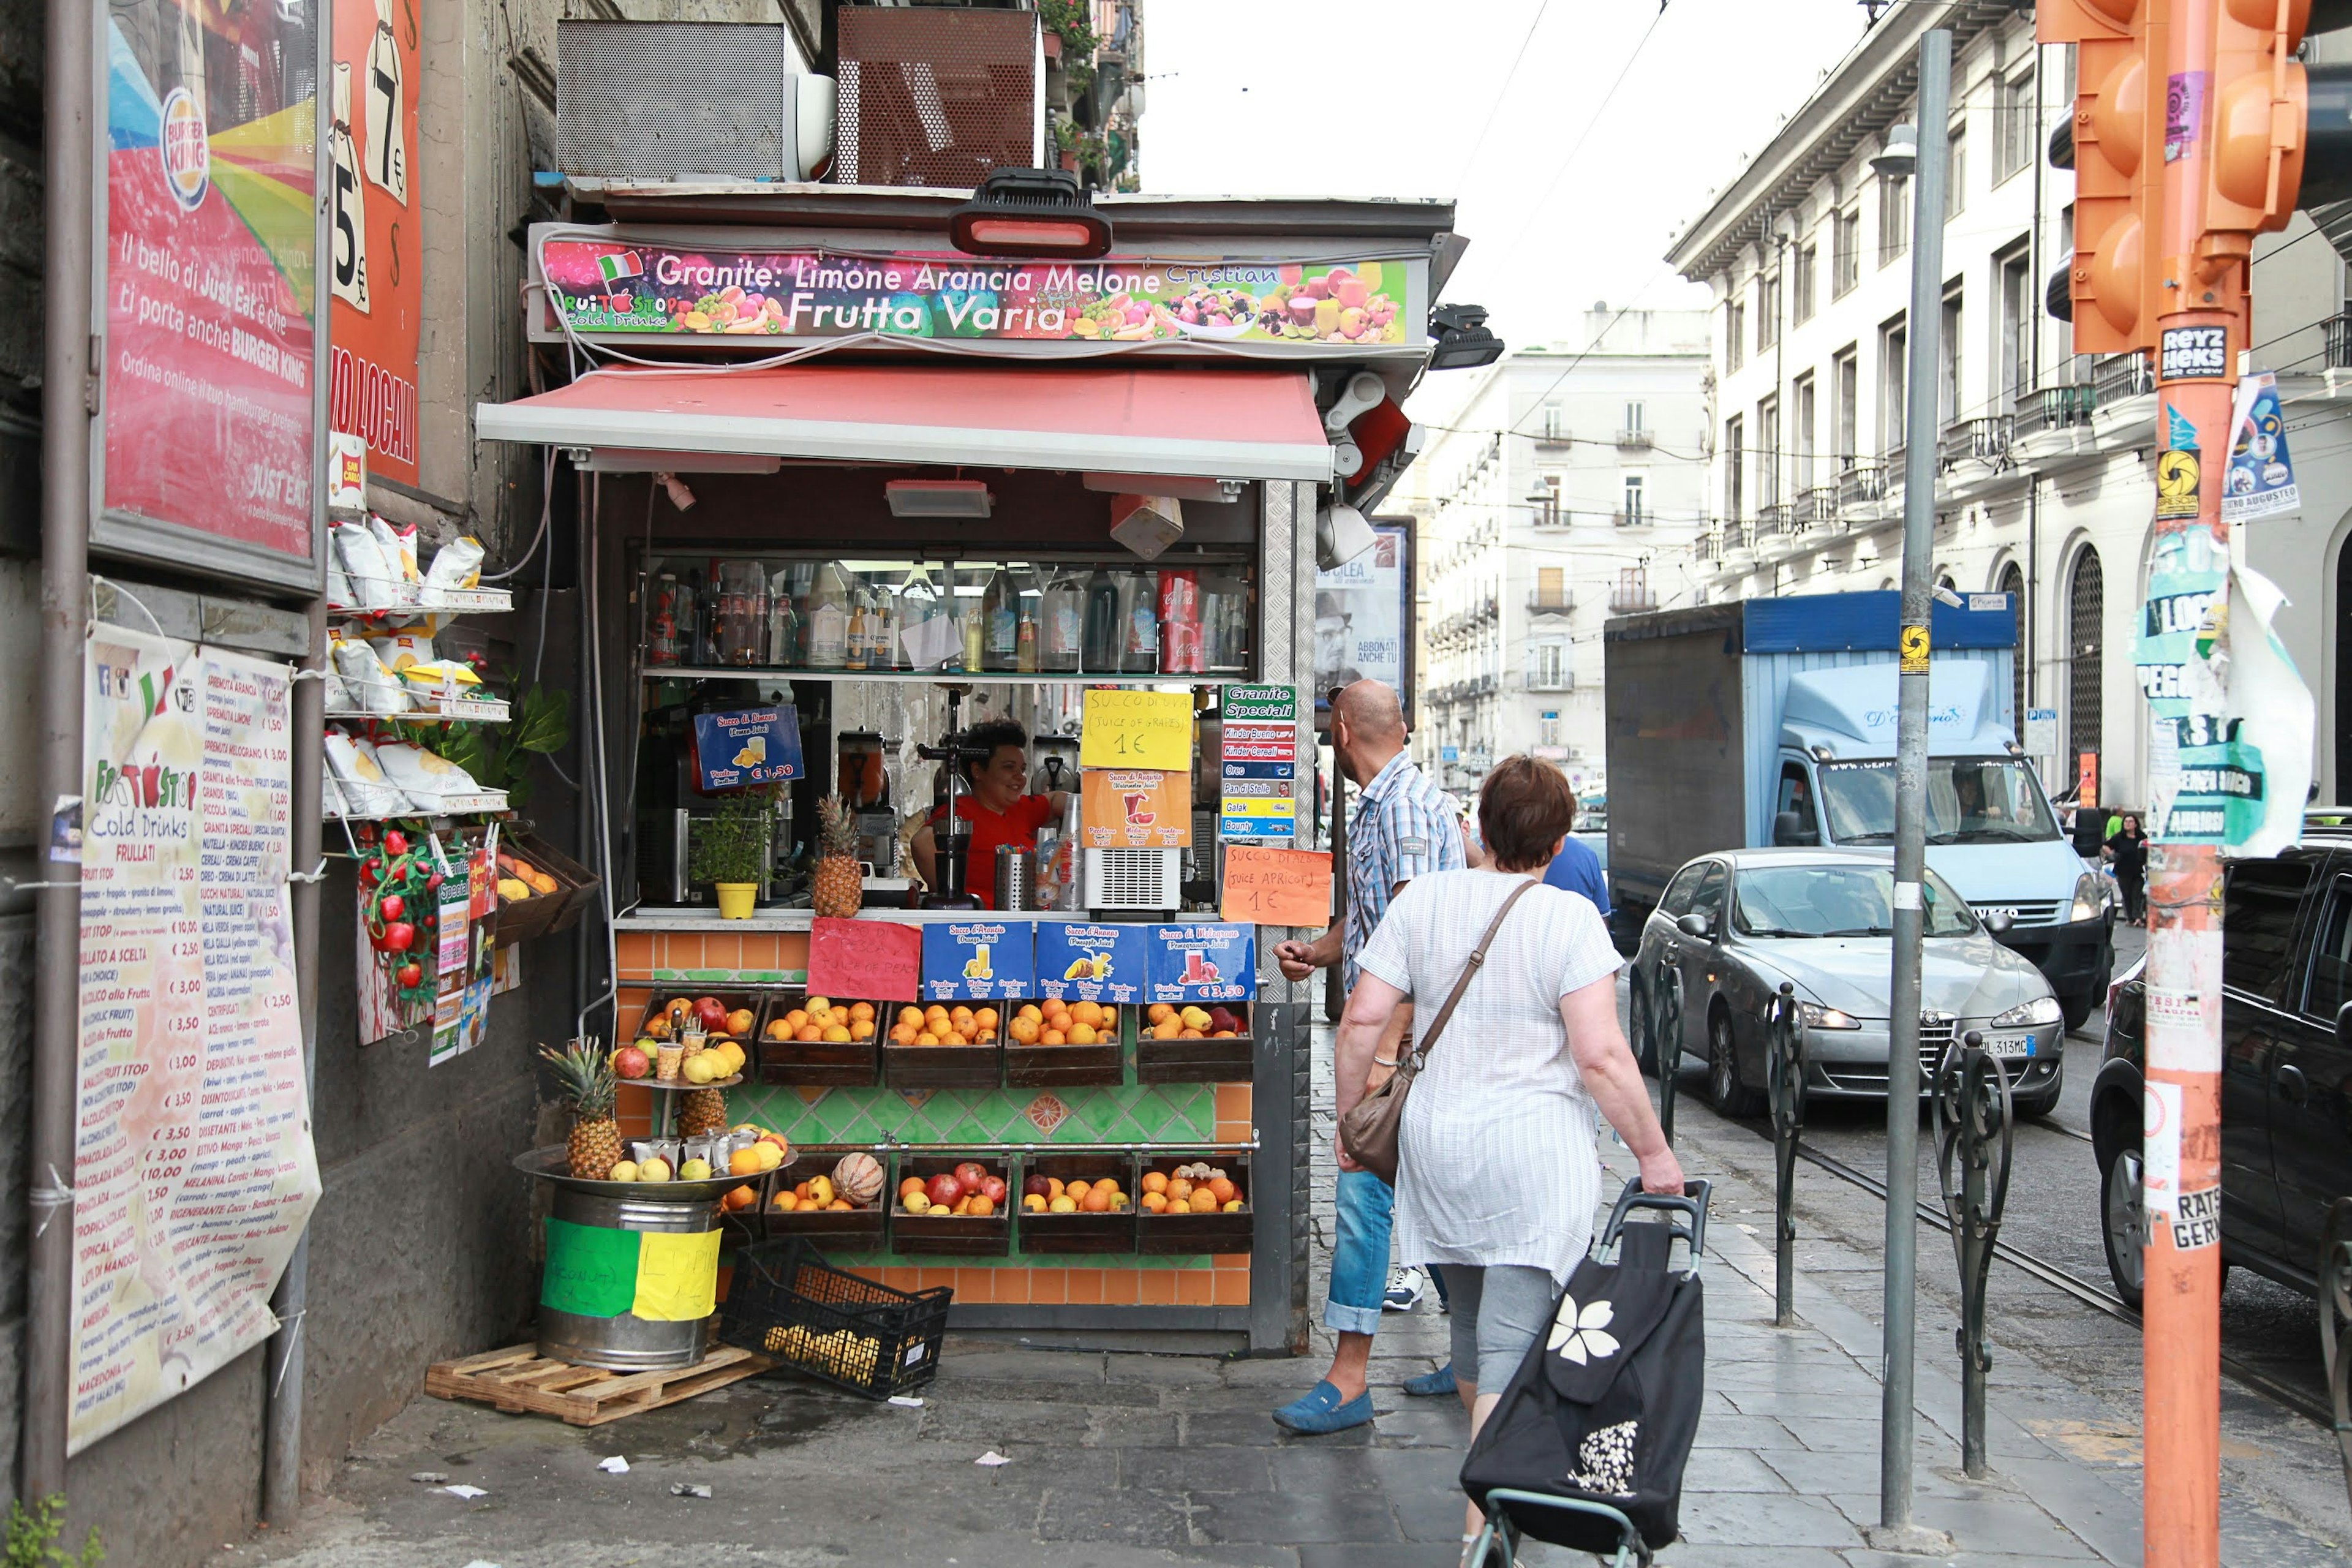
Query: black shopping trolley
point(1586, 1447)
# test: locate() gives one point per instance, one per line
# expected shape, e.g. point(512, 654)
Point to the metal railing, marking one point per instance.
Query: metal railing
point(1636, 437)
point(2059, 408)
point(1632, 517)
point(1559, 603)
point(2118, 376)
point(1554, 680)
point(2339, 341)
point(1625, 601)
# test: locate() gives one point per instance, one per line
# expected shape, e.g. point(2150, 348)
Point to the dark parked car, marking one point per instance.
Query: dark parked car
point(1739, 923)
point(2286, 1070)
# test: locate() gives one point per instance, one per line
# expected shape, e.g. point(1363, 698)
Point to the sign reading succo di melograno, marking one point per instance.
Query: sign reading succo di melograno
point(194, 1171)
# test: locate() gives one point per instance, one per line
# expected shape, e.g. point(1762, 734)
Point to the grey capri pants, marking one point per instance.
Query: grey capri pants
point(1497, 1313)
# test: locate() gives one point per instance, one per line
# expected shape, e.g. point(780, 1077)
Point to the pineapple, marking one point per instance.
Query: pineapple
point(585, 1076)
point(838, 888)
point(701, 1112)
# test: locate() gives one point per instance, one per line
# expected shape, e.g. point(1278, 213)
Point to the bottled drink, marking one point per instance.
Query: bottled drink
point(783, 622)
point(1000, 618)
point(1139, 623)
point(855, 658)
point(1061, 633)
point(920, 613)
point(661, 621)
point(828, 619)
point(1025, 639)
point(1102, 634)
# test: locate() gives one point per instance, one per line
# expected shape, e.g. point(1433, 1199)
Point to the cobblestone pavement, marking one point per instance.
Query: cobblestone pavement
point(1125, 1456)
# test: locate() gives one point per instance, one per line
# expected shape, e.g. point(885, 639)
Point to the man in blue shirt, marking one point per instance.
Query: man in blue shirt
point(1404, 826)
point(1576, 869)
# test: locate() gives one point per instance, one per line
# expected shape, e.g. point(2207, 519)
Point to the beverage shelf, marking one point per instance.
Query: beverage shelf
point(958, 677)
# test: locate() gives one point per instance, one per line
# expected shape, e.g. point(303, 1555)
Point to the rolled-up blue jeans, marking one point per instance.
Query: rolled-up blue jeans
point(1366, 1209)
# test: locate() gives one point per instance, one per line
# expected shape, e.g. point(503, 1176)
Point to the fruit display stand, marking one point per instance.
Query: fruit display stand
point(1207, 1058)
point(953, 1235)
point(631, 1278)
point(1220, 1230)
point(819, 1063)
point(1053, 1229)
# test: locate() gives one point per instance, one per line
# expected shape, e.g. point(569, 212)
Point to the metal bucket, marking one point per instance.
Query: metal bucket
point(1016, 878)
point(626, 1342)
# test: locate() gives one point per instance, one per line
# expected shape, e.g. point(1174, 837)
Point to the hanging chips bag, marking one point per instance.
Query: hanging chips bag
point(456, 564)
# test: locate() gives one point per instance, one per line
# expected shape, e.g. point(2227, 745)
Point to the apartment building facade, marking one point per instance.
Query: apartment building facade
point(1569, 488)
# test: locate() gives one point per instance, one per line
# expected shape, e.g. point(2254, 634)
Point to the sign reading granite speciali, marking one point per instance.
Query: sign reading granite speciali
point(603, 283)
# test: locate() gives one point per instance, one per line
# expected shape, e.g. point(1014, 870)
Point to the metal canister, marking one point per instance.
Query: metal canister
point(625, 1341)
point(1016, 878)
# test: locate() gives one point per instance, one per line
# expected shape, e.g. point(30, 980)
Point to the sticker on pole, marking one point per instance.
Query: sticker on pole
point(1912, 650)
point(2178, 477)
point(2195, 353)
point(2198, 1223)
point(2161, 1148)
point(2261, 479)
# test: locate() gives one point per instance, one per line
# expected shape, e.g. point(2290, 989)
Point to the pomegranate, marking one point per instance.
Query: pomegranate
point(970, 1175)
point(992, 1189)
point(711, 1014)
point(943, 1190)
point(631, 1062)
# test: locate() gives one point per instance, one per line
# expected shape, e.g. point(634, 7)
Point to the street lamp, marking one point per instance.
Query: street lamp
point(1901, 155)
point(1462, 341)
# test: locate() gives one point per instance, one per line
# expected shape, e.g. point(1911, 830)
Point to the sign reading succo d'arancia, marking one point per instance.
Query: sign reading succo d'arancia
point(601, 283)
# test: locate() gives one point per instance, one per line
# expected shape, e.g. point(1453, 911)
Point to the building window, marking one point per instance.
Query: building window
point(1894, 217)
point(1552, 588)
point(2085, 675)
point(1735, 334)
point(2012, 125)
point(1805, 433)
point(1548, 511)
point(1893, 371)
point(1636, 418)
point(1956, 173)
point(1547, 728)
point(1633, 511)
point(1768, 452)
point(2016, 330)
point(1547, 664)
point(1768, 310)
point(1735, 459)
point(1845, 249)
point(1555, 423)
point(1947, 370)
point(1845, 393)
point(1801, 305)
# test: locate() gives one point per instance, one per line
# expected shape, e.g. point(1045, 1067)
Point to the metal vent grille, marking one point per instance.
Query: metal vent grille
point(937, 96)
point(1133, 879)
point(665, 101)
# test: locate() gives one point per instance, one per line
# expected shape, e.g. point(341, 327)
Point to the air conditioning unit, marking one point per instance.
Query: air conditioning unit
point(688, 100)
point(938, 96)
point(1133, 879)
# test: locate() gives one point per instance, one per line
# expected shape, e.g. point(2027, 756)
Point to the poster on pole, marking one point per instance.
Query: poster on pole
point(376, 232)
point(194, 1167)
point(206, 281)
point(2260, 479)
point(1363, 618)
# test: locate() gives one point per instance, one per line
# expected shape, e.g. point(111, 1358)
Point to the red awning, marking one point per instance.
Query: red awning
point(1239, 424)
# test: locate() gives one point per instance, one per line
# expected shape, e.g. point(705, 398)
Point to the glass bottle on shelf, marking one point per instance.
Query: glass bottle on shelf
point(828, 619)
point(1101, 652)
point(783, 622)
point(1024, 636)
point(920, 614)
point(860, 631)
point(884, 650)
point(661, 621)
point(705, 619)
point(742, 613)
point(1225, 614)
point(1062, 623)
point(1000, 620)
point(1139, 623)
point(966, 601)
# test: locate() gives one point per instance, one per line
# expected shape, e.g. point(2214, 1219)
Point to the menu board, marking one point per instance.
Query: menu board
point(194, 1170)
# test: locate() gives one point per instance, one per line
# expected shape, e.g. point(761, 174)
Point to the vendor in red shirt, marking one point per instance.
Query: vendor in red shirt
point(995, 806)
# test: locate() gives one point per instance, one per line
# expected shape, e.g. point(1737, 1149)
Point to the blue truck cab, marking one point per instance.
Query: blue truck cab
point(1773, 721)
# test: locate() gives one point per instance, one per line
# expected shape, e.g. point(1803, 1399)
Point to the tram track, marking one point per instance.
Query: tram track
point(2253, 1379)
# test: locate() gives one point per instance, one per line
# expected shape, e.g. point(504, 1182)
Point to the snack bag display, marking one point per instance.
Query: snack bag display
point(456, 565)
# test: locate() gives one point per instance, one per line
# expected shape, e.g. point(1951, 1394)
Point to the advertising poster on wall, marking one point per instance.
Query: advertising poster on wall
point(194, 1168)
point(375, 231)
point(1363, 618)
point(207, 284)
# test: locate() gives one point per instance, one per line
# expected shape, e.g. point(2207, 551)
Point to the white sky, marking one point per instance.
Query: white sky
point(1387, 97)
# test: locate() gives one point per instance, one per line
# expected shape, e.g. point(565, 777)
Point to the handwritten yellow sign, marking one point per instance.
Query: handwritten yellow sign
point(1137, 729)
point(677, 1277)
point(1277, 887)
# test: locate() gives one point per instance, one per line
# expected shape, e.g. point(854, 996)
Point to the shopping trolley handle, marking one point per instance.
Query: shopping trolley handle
point(1691, 1203)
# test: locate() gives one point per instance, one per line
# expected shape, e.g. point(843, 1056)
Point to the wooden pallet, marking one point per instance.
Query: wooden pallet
point(519, 1380)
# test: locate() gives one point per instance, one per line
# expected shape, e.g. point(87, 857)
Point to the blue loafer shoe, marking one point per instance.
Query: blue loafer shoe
point(1321, 1410)
point(1429, 1385)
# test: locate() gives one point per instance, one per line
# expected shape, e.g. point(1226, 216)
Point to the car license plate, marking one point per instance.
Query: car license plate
point(2009, 1047)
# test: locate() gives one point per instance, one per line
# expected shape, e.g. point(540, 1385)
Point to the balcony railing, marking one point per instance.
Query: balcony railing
point(1634, 438)
point(1550, 680)
point(2339, 342)
point(1984, 441)
point(1553, 436)
point(2118, 376)
point(1559, 603)
point(1817, 507)
point(1863, 481)
point(2060, 407)
point(1624, 600)
point(1771, 521)
point(1634, 516)
point(1709, 546)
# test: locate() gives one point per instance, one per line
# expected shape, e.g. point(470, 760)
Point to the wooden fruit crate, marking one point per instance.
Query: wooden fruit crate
point(818, 1064)
point(519, 1380)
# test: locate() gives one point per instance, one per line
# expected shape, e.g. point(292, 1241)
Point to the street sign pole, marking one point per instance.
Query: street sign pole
point(2202, 322)
point(1895, 1531)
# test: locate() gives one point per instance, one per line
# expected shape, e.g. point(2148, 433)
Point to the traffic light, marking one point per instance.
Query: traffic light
point(2274, 148)
point(2114, 145)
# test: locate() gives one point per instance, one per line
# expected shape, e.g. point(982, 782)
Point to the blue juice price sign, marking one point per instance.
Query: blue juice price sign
point(1202, 963)
point(748, 746)
point(1079, 962)
point(979, 960)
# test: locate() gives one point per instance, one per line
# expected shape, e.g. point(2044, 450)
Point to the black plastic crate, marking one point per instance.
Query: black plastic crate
point(788, 1303)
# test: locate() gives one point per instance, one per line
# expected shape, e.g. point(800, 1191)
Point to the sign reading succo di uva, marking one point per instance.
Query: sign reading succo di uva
point(604, 285)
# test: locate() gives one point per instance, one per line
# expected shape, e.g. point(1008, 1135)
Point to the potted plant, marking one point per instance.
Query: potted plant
point(732, 852)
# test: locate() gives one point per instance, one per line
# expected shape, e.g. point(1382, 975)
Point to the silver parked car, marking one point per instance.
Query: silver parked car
point(1739, 923)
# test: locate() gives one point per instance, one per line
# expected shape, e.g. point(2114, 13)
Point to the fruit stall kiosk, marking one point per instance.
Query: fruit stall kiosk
point(949, 622)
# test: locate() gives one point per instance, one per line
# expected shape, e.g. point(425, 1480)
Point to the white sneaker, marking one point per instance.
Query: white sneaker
point(1404, 1292)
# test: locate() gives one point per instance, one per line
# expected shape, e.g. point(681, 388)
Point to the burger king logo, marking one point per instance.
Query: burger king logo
point(186, 149)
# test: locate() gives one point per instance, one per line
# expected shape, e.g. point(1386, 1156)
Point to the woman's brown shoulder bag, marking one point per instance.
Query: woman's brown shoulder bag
point(1369, 1132)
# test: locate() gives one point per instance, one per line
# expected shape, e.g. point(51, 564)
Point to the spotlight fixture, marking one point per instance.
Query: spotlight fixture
point(938, 498)
point(1030, 212)
point(1462, 341)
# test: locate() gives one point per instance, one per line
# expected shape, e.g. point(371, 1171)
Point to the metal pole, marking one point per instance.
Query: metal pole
point(68, 402)
point(1975, 1129)
point(2202, 302)
point(281, 1472)
point(1911, 780)
point(1785, 1076)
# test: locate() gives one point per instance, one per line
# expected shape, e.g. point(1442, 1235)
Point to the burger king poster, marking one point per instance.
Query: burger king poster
point(210, 371)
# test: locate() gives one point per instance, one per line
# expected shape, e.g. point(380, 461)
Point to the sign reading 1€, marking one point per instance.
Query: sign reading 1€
point(1137, 729)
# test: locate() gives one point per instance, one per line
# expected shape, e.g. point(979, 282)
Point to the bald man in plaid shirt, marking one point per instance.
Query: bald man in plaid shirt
point(1404, 826)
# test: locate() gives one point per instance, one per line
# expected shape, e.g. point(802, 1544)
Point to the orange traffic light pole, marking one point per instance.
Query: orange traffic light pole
point(2201, 322)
